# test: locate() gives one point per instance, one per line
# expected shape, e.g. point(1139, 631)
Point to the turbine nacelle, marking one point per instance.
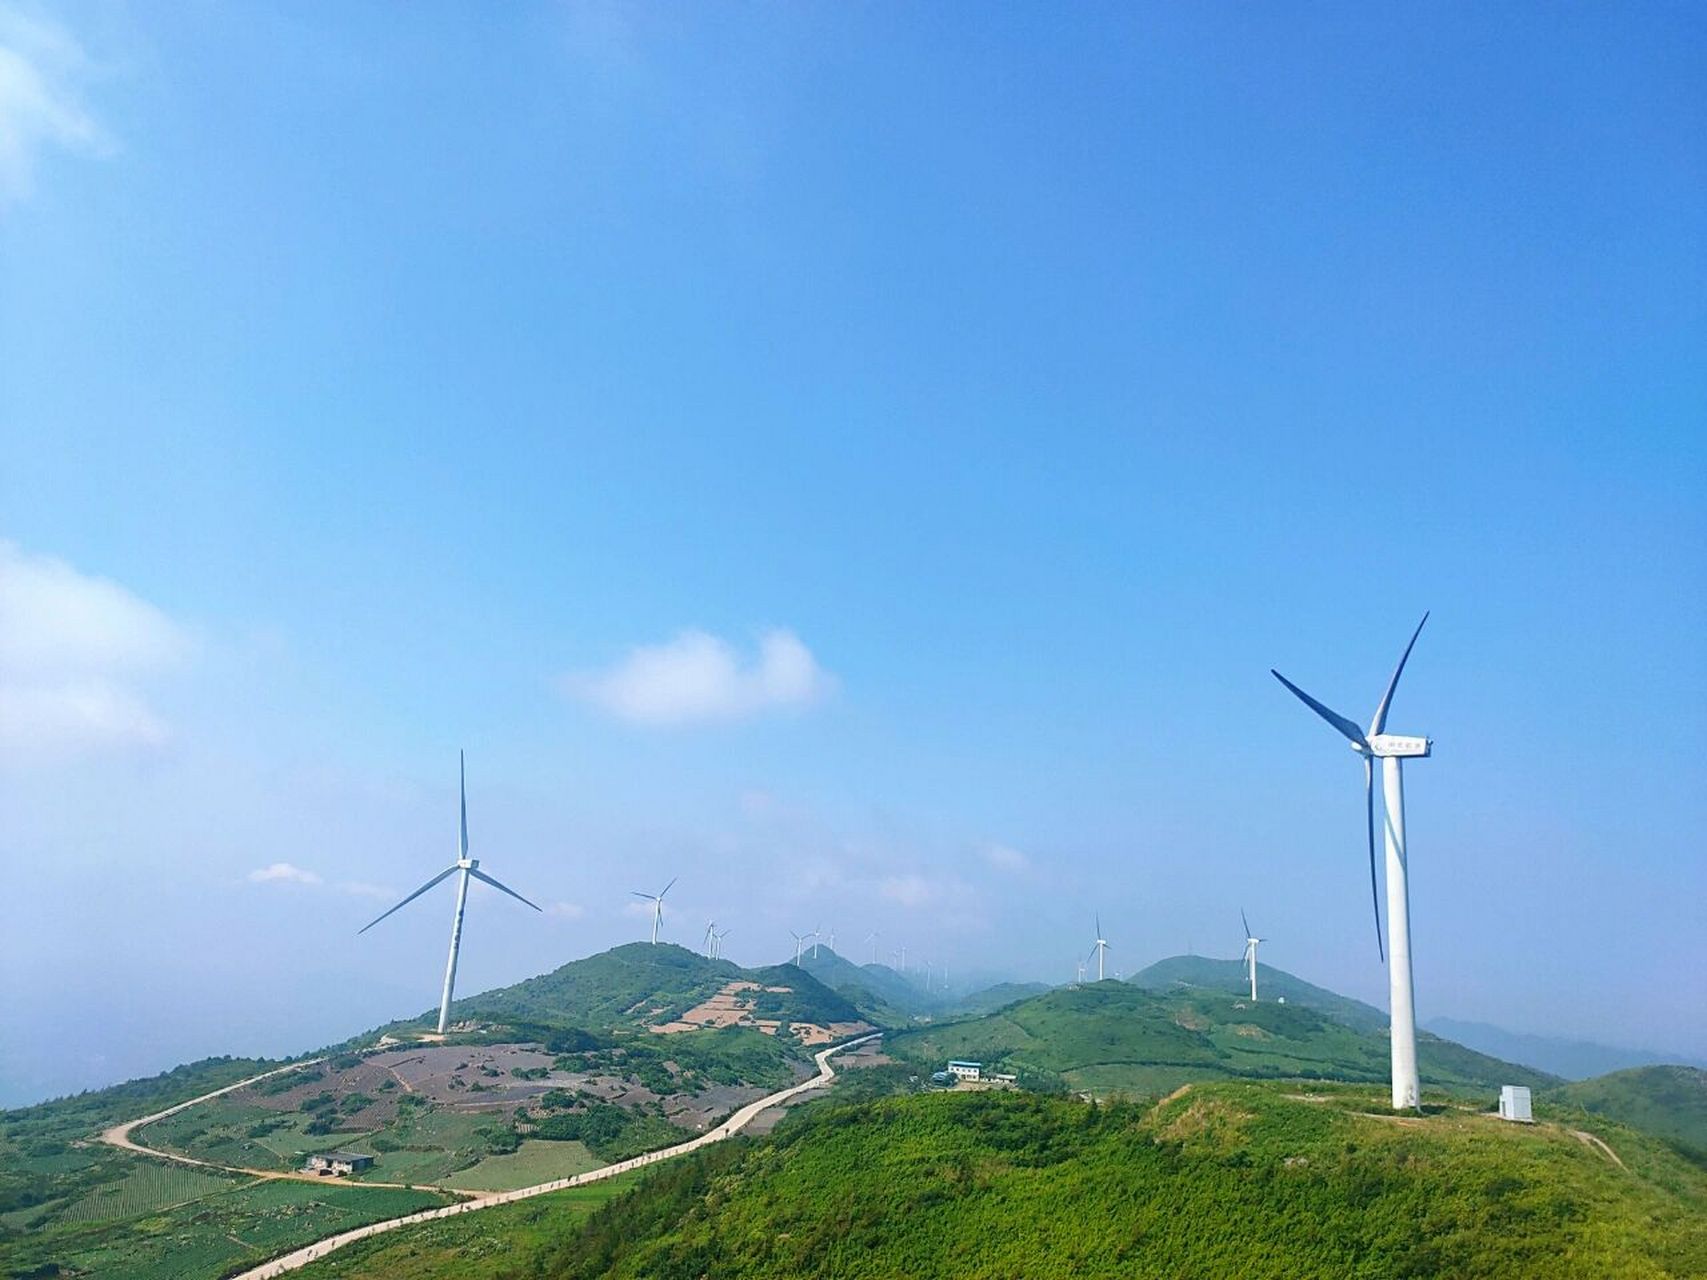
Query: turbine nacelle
point(1396, 745)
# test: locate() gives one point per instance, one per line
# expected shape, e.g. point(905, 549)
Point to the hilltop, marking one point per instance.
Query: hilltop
point(641, 985)
point(882, 995)
point(1231, 976)
point(1255, 1180)
point(1115, 1037)
point(1667, 1101)
point(1569, 1059)
point(989, 999)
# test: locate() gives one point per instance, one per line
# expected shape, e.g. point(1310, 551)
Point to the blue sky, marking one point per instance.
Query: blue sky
point(863, 460)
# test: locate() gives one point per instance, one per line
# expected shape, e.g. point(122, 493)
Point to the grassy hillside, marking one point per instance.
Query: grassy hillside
point(1241, 1179)
point(640, 984)
point(989, 999)
point(1669, 1102)
point(1230, 976)
point(1111, 1037)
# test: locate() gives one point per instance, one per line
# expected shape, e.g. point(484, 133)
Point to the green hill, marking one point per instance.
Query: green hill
point(1669, 1102)
point(1241, 1179)
point(1115, 1037)
point(1230, 976)
point(989, 999)
point(639, 984)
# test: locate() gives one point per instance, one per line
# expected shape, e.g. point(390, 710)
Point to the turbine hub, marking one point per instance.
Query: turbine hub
point(1393, 744)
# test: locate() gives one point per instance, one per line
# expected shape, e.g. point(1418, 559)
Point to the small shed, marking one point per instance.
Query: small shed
point(338, 1163)
point(966, 1070)
point(1514, 1103)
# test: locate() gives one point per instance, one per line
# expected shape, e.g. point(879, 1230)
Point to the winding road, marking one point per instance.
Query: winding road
point(119, 1136)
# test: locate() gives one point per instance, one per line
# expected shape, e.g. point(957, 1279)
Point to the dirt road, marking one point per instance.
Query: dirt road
point(733, 1125)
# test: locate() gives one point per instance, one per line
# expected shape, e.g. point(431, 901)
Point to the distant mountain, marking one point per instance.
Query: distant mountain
point(639, 984)
point(1572, 1059)
point(992, 998)
point(881, 994)
point(1118, 1037)
point(1669, 1102)
point(1231, 976)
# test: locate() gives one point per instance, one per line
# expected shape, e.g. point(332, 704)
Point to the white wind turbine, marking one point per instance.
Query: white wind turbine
point(710, 942)
point(1081, 974)
point(657, 901)
point(799, 944)
point(717, 943)
point(468, 867)
point(1392, 750)
point(1099, 949)
point(1250, 955)
point(872, 938)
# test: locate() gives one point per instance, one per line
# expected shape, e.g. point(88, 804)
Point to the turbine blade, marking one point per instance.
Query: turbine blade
point(1245, 922)
point(667, 888)
point(1349, 728)
point(648, 896)
point(1369, 811)
point(462, 779)
point(1379, 724)
point(441, 875)
point(478, 874)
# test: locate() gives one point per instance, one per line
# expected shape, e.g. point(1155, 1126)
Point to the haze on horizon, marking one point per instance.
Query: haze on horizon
point(862, 461)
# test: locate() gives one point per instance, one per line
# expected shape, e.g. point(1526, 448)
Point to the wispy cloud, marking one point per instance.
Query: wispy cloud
point(73, 648)
point(283, 873)
point(698, 677)
point(41, 68)
point(566, 910)
point(362, 889)
point(1005, 858)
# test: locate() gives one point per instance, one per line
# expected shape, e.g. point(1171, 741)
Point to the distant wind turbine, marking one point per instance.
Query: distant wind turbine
point(1251, 941)
point(799, 944)
point(710, 943)
point(1081, 973)
point(717, 943)
point(1099, 949)
point(1392, 750)
point(657, 901)
point(872, 938)
point(467, 866)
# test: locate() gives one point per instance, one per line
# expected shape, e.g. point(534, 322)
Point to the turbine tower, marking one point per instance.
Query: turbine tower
point(1250, 951)
point(1100, 947)
point(467, 866)
point(1392, 750)
point(657, 901)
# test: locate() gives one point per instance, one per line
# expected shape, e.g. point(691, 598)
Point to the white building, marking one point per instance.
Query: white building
point(1514, 1103)
point(966, 1070)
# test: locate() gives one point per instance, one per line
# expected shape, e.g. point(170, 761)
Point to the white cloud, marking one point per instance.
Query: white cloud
point(566, 910)
point(41, 65)
point(1004, 858)
point(698, 677)
point(908, 890)
point(72, 648)
point(282, 873)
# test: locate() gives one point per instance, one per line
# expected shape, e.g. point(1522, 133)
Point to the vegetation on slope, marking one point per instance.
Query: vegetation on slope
point(882, 996)
point(1227, 1179)
point(989, 999)
point(1231, 976)
point(1668, 1102)
point(1113, 1037)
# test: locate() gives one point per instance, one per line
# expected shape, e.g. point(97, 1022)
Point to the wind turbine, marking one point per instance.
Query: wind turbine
point(710, 942)
point(1100, 947)
point(817, 932)
point(1392, 750)
point(657, 901)
point(799, 944)
point(1251, 941)
point(468, 867)
point(872, 938)
point(717, 943)
point(1081, 975)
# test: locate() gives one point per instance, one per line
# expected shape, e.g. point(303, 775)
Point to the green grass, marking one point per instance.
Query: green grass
point(149, 1186)
point(210, 1236)
point(499, 1243)
point(534, 1162)
point(1669, 1102)
point(1113, 1037)
point(1234, 1178)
